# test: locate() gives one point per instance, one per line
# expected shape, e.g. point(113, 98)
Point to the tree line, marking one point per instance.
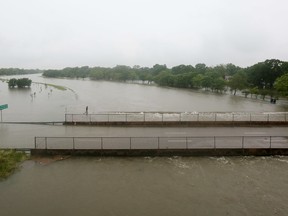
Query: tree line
point(261, 79)
point(17, 71)
point(264, 78)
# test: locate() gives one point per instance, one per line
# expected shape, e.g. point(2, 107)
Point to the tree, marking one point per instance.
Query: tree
point(219, 84)
point(182, 69)
point(157, 69)
point(20, 83)
point(200, 68)
point(264, 74)
point(197, 80)
point(24, 82)
point(183, 80)
point(254, 91)
point(165, 78)
point(281, 84)
point(232, 69)
point(207, 81)
point(12, 83)
point(238, 82)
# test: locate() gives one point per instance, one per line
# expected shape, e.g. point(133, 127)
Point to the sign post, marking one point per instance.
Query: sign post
point(2, 107)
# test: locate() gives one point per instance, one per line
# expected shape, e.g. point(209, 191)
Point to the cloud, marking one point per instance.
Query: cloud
point(56, 34)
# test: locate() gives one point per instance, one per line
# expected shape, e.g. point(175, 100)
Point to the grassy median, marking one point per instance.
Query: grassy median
point(9, 161)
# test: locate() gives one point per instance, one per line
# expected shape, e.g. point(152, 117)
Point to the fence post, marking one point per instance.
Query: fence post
point(130, 143)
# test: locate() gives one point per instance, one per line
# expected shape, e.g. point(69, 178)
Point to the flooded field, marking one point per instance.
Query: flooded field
point(47, 103)
point(135, 186)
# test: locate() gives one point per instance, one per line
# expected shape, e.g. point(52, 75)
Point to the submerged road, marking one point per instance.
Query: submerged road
point(22, 135)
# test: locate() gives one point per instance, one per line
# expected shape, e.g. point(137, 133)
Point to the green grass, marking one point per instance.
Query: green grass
point(9, 161)
point(62, 88)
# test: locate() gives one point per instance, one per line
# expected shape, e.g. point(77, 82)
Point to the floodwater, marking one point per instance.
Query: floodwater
point(135, 186)
point(47, 103)
point(149, 186)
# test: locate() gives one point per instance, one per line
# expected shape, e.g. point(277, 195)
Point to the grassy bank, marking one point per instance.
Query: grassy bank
point(9, 161)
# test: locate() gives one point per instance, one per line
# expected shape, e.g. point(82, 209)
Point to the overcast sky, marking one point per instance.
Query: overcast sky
point(66, 33)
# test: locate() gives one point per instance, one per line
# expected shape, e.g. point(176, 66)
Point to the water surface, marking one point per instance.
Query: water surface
point(46, 103)
point(149, 186)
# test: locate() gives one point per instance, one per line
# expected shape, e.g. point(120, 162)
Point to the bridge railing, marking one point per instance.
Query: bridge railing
point(177, 117)
point(160, 143)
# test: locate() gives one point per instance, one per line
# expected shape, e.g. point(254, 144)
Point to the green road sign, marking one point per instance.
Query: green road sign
point(4, 106)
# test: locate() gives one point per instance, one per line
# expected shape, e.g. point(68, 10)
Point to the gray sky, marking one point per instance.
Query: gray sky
point(66, 33)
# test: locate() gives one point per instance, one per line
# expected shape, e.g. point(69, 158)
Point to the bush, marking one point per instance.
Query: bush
point(12, 83)
point(20, 83)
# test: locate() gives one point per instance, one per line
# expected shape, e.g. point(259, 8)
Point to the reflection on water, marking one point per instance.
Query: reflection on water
point(149, 186)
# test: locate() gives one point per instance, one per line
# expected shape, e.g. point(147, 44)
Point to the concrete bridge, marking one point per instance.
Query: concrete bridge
point(182, 137)
point(160, 146)
point(177, 119)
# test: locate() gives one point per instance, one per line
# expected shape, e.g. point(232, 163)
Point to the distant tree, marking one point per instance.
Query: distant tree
point(158, 69)
point(182, 69)
point(24, 82)
point(197, 80)
point(200, 68)
point(20, 83)
point(207, 81)
point(221, 70)
point(281, 84)
point(254, 91)
point(15, 71)
point(264, 92)
point(238, 82)
point(219, 84)
point(165, 78)
point(183, 80)
point(232, 69)
point(12, 83)
point(264, 74)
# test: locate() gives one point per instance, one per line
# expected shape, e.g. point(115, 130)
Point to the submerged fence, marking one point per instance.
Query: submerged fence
point(176, 117)
point(161, 143)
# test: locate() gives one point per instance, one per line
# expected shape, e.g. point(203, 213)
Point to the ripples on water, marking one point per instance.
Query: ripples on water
point(149, 186)
point(139, 186)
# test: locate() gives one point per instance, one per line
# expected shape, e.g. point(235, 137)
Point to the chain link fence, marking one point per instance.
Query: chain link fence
point(176, 117)
point(161, 143)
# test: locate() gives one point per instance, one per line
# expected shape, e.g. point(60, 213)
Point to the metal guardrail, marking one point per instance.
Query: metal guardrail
point(177, 117)
point(161, 143)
